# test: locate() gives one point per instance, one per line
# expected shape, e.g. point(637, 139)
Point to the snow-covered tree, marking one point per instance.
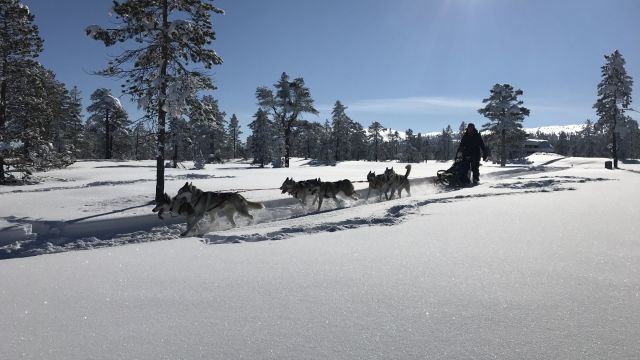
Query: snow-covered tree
point(505, 113)
point(260, 138)
point(178, 139)
point(69, 128)
point(142, 142)
point(19, 42)
point(614, 96)
point(207, 127)
point(106, 109)
point(291, 99)
point(172, 36)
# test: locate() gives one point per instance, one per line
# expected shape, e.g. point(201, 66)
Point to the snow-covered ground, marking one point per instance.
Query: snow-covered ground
point(539, 261)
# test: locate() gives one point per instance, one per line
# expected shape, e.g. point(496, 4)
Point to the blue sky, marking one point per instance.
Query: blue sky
point(405, 63)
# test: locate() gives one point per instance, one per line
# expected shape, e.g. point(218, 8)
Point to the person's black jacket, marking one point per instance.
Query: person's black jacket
point(471, 144)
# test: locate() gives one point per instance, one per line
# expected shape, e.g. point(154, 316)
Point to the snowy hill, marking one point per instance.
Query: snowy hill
point(548, 130)
point(529, 264)
point(556, 129)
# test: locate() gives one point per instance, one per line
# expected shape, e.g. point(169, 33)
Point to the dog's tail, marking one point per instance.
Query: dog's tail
point(255, 205)
point(408, 167)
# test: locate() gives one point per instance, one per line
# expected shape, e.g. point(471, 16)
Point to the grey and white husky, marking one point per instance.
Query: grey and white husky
point(397, 182)
point(378, 183)
point(195, 204)
point(300, 189)
point(329, 190)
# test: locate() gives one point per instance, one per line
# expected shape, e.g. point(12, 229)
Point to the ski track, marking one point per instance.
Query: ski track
point(277, 211)
point(114, 182)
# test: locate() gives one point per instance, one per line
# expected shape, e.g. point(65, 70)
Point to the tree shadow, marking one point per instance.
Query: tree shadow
point(110, 212)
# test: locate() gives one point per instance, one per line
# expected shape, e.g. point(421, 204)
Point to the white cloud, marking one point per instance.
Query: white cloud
point(413, 105)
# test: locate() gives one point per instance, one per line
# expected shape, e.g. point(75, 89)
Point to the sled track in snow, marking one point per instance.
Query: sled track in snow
point(29, 238)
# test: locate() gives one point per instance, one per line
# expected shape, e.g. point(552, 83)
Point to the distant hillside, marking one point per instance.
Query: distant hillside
point(548, 130)
point(556, 129)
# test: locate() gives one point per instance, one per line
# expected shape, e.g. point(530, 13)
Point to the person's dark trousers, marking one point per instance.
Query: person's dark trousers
point(475, 169)
point(463, 172)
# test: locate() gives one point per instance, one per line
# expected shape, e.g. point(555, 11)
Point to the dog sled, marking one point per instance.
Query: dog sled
point(457, 175)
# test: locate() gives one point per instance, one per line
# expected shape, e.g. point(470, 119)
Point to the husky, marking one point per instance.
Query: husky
point(300, 189)
point(331, 189)
point(164, 204)
point(195, 204)
point(377, 182)
point(397, 182)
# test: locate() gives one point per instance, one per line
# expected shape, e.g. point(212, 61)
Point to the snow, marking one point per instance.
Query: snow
point(92, 31)
point(12, 145)
point(556, 129)
point(539, 261)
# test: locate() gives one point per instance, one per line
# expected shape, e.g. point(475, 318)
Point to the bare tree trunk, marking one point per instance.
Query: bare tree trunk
point(287, 144)
point(106, 135)
point(161, 113)
point(3, 112)
point(503, 147)
point(614, 142)
point(137, 140)
point(175, 155)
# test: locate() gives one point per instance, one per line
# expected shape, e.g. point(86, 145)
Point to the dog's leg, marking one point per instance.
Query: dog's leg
point(242, 210)
point(213, 219)
point(230, 211)
point(319, 201)
point(191, 223)
point(368, 192)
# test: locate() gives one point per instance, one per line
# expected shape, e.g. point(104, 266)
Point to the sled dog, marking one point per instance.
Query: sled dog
point(300, 189)
point(397, 182)
point(195, 204)
point(163, 205)
point(331, 189)
point(378, 183)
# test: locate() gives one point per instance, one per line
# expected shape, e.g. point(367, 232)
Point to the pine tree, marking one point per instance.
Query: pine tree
point(174, 35)
point(70, 129)
point(562, 146)
point(19, 42)
point(505, 113)
point(260, 138)
point(358, 141)
point(375, 137)
point(586, 136)
point(207, 127)
point(341, 125)
point(290, 100)
point(234, 133)
point(178, 139)
point(105, 109)
point(614, 96)
point(394, 144)
point(461, 129)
